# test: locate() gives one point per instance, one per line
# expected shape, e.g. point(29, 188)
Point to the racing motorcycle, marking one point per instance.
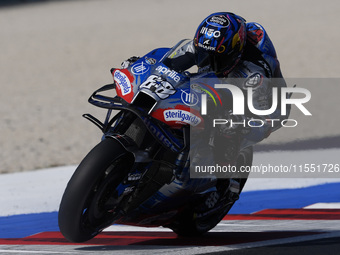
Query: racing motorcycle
point(139, 174)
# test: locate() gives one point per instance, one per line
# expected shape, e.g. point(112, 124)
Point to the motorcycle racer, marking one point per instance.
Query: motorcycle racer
point(143, 171)
point(224, 43)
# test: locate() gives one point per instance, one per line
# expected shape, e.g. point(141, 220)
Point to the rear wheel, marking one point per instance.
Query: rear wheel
point(191, 225)
point(90, 201)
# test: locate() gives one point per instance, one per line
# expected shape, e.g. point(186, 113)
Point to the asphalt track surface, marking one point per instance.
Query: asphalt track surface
point(320, 246)
point(289, 220)
point(292, 238)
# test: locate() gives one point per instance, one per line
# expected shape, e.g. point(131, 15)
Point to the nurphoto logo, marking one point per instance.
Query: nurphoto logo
point(239, 105)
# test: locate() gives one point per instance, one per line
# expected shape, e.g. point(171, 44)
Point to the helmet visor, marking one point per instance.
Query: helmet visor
point(202, 57)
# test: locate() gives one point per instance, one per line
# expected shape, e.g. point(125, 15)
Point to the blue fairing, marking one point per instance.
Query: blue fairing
point(152, 64)
point(142, 68)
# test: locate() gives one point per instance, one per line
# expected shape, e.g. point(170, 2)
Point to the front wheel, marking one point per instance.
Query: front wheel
point(91, 196)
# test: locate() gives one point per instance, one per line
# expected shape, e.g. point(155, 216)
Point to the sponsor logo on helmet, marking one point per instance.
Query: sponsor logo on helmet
point(210, 32)
point(181, 116)
point(221, 49)
point(218, 21)
point(207, 41)
point(206, 47)
point(170, 73)
point(123, 82)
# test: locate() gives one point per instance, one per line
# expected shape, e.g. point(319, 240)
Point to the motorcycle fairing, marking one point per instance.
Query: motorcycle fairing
point(150, 84)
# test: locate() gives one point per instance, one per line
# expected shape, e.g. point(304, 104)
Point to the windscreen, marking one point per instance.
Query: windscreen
point(181, 57)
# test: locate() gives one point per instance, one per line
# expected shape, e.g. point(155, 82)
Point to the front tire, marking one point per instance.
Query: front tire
point(90, 197)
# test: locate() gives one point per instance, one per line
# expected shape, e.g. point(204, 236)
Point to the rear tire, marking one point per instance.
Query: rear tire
point(189, 225)
point(84, 208)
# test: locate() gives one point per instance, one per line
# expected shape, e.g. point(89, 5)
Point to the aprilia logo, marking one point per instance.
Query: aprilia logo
point(170, 73)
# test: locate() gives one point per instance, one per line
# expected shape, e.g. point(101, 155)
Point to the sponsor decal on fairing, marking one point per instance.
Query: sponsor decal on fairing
point(140, 68)
point(168, 72)
point(123, 82)
point(159, 86)
point(189, 97)
point(181, 116)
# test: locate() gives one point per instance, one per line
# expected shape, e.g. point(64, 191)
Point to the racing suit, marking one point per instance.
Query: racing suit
point(259, 69)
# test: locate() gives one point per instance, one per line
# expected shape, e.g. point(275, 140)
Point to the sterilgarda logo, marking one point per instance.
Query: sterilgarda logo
point(239, 106)
point(181, 116)
point(123, 82)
